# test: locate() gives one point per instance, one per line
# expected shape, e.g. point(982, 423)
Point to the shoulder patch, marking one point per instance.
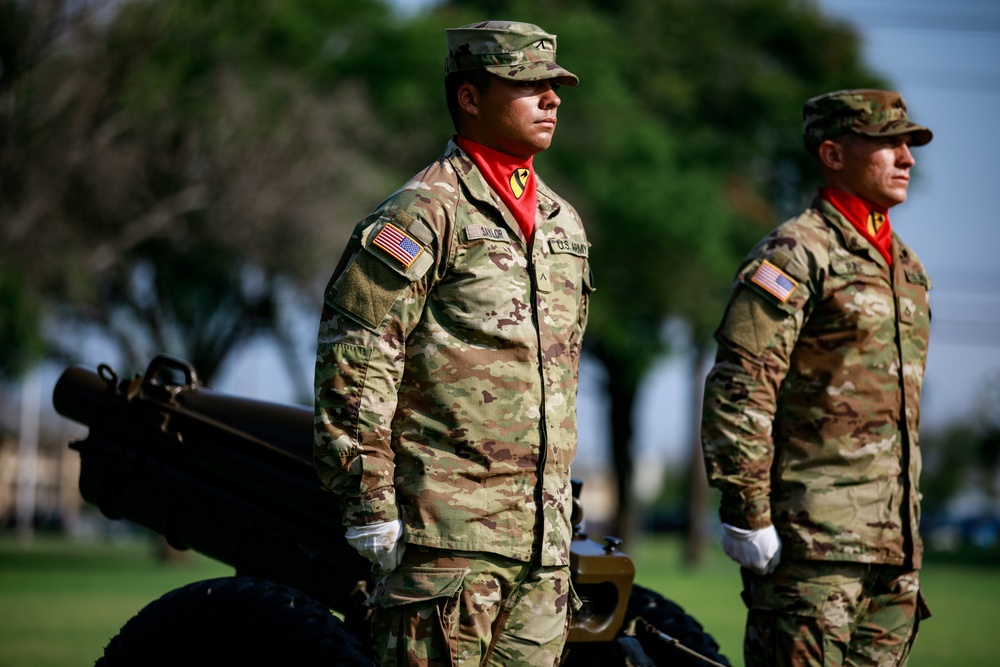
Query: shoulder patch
point(396, 242)
point(774, 281)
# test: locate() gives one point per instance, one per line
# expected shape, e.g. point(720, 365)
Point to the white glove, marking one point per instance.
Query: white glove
point(378, 542)
point(757, 550)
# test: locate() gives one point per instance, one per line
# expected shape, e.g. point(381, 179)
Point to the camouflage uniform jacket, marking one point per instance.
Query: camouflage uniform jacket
point(812, 408)
point(446, 389)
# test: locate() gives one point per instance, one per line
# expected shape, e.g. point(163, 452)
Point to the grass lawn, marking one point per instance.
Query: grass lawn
point(60, 601)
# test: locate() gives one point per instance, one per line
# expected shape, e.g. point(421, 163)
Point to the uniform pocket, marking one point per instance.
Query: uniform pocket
point(417, 613)
point(368, 290)
point(752, 321)
point(381, 272)
point(410, 585)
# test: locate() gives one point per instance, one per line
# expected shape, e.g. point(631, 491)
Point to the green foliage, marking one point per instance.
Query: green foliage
point(190, 144)
point(959, 458)
point(964, 456)
point(21, 343)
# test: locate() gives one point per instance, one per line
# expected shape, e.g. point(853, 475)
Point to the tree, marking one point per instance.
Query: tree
point(27, 37)
point(965, 456)
point(173, 168)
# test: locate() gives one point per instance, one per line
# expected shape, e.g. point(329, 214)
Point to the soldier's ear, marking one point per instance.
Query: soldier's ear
point(831, 155)
point(468, 99)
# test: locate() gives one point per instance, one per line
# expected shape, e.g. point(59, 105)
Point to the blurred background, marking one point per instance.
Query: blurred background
point(179, 177)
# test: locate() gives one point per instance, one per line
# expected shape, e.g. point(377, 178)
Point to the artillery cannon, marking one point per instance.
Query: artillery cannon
point(233, 478)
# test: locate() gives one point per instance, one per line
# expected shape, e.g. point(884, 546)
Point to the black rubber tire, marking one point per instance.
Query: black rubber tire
point(234, 621)
point(670, 618)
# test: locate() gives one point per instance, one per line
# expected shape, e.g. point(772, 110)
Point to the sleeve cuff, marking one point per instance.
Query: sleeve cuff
point(750, 513)
point(377, 506)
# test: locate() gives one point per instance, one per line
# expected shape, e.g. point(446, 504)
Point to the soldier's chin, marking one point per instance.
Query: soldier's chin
point(544, 140)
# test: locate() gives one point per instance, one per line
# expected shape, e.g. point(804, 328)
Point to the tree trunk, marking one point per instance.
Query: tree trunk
point(622, 388)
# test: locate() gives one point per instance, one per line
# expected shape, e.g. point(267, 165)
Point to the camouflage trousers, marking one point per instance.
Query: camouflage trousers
point(456, 608)
point(831, 614)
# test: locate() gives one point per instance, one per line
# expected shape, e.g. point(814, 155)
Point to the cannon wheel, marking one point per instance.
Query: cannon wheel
point(234, 620)
point(640, 645)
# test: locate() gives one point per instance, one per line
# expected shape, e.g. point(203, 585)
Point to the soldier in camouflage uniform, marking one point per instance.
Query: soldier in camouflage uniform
point(812, 408)
point(447, 369)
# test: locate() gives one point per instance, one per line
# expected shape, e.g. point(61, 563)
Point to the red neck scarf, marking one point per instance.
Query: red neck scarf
point(510, 177)
point(870, 220)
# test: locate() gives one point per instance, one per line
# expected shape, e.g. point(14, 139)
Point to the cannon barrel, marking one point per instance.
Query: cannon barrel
point(225, 476)
point(80, 394)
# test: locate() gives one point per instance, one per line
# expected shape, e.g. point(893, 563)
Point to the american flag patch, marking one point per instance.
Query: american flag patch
point(774, 280)
point(398, 244)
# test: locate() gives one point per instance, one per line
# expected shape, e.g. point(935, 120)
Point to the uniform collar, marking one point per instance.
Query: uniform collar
point(853, 239)
point(481, 191)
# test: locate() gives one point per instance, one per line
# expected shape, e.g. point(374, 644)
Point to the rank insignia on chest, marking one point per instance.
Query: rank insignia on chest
point(395, 242)
point(774, 280)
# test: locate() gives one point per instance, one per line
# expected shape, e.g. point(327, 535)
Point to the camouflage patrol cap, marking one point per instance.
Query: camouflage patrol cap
point(510, 50)
point(870, 113)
